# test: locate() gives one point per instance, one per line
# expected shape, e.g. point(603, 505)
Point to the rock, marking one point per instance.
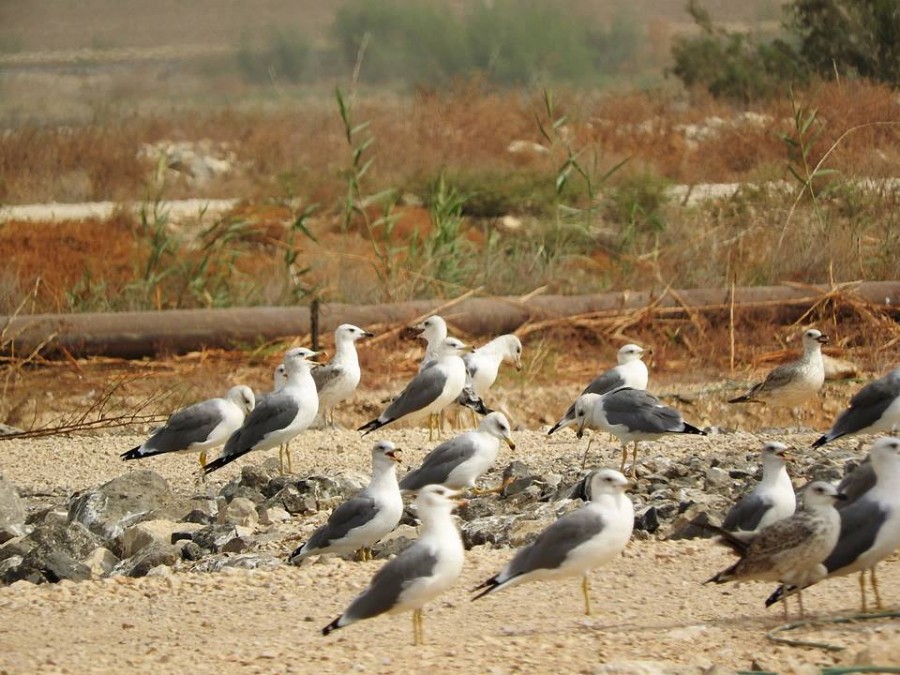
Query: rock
point(199, 517)
point(218, 538)
point(291, 500)
point(248, 561)
point(234, 490)
point(101, 561)
point(41, 565)
point(13, 511)
point(524, 531)
point(272, 515)
point(717, 478)
point(73, 538)
point(492, 530)
point(258, 476)
point(9, 532)
point(647, 519)
point(240, 511)
point(185, 531)
point(149, 557)
point(191, 551)
point(123, 501)
point(516, 477)
point(401, 538)
point(145, 534)
point(688, 526)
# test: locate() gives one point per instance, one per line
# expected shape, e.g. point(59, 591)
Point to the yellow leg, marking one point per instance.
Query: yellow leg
point(202, 458)
point(586, 450)
point(862, 591)
point(624, 458)
point(878, 602)
point(290, 461)
point(634, 460)
point(418, 628)
point(586, 589)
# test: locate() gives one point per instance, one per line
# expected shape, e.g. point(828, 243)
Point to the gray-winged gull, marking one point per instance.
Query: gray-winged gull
point(420, 573)
point(870, 525)
point(630, 372)
point(279, 415)
point(337, 380)
point(874, 408)
point(430, 391)
point(631, 415)
point(358, 523)
point(772, 499)
point(791, 384)
point(199, 427)
point(460, 461)
point(434, 331)
point(791, 550)
point(576, 543)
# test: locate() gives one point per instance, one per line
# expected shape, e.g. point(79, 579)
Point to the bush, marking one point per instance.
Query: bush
point(283, 57)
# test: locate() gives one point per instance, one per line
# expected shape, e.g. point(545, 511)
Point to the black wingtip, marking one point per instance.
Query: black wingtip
point(333, 626)
point(217, 463)
point(820, 441)
point(134, 453)
point(369, 427)
point(487, 587)
point(777, 596)
point(739, 399)
point(691, 429)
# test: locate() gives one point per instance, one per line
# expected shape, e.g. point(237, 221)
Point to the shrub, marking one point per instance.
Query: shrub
point(284, 56)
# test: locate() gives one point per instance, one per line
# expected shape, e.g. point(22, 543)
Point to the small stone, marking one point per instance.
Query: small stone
point(101, 561)
point(240, 511)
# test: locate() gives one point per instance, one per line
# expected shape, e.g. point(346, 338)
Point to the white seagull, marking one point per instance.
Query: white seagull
point(337, 380)
point(434, 331)
point(278, 416)
point(772, 499)
point(434, 388)
point(199, 427)
point(576, 543)
point(483, 364)
point(358, 523)
point(791, 384)
point(459, 462)
point(631, 415)
point(630, 372)
point(430, 566)
point(874, 408)
point(791, 550)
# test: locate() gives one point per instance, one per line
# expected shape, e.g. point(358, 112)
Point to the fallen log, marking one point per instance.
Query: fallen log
point(140, 334)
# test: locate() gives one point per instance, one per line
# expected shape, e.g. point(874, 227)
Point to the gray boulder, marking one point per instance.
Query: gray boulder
point(13, 512)
point(148, 558)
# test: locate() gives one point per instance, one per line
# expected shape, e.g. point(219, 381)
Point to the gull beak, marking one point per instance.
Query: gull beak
point(822, 339)
point(309, 357)
point(518, 364)
point(509, 442)
point(786, 456)
point(396, 455)
point(840, 496)
point(368, 334)
point(631, 484)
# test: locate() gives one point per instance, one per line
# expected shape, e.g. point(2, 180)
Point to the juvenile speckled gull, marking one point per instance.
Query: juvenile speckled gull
point(874, 408)
point(772, 499)
point(358, 523)
point(460, 461)
point(793, 549)
point(576, 543)
point(791, 384)
point(420, 573)
point(278, 416)
point(199, 427)
point(870, 525)
point(631, 415)
point(337, 380)
point(430, 391)
point(630, 372)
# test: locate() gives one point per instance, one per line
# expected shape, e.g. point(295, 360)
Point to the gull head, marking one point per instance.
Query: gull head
point(775, 454)
point(432, 329)
point(819, 494)
point(349, 332)
point(242, 396)
point(584, 405)
point(628, 353)
point(386, 452)
point(606, 481)
point(814, 339)
point(497, 425)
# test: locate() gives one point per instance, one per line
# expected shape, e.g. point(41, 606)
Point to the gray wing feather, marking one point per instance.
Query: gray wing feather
point(604, 383)
point(353, 513)
point(640, 411)
point(859, 528)
point(867, 406)
point(423, 389)
point(389, 582)
point(553, 545)
point(324, 375)
point(439, 463)
point(747, 513)
point(273, 412)
point(193, 424)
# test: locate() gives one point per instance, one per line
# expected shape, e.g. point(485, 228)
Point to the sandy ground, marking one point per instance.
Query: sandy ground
point(649, 605)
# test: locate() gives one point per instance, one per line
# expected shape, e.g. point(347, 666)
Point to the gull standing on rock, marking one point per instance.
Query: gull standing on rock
point(791, 550)
point(771, 500)
point(631, 415)
point(199, 427)
point(630, 372)
point(792, 384)
point(337, 380)
point(278, 416)
point(576, 543)
point(459, 462)
point(420, 573)
point(358, 523)
point(874, 408)
point(435, 387)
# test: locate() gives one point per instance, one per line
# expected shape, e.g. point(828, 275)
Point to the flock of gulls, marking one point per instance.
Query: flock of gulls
point(839, 529)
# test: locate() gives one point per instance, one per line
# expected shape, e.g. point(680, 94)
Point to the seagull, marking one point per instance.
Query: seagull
point(278, 416)
point(430, 391)
point(434, 331)
point(365, 518)
point(199, 427)
point(791, 384)
point(771, 500)
point(870, 525)
point(631, 415)
point(790, 550)
point(337, 380)
point(576, 543)
point(875, 407)
point(459, 462)
point(630, 372)
point(430, 566)
point(483, 366)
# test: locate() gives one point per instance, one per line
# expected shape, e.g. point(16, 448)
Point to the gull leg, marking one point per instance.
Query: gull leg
point(784, 603)
point(875, 588)
point(202, 458)
point(862, 592)
point(586, 589)
point(290, 461)
point(634, 460)
point(418, 628)
point(586, 450)
point(478, 492)
point(624, 457)
point(281, 459)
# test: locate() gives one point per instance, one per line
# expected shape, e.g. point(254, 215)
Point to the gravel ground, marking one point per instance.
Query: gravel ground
point(651, 611)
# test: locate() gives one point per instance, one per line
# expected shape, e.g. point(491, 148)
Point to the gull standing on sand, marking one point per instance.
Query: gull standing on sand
point(337, 380)
point(420, 573)
point(199, 427)
point(771, 500)
point(459, 462)
point(435, 387)
point(792, 384)
point(630, 372)
point(631, 415)
point(278, 416)
point(791, 550)
point(358, 523)
point(869, 526)
point(874, 408)
point(576, 543)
